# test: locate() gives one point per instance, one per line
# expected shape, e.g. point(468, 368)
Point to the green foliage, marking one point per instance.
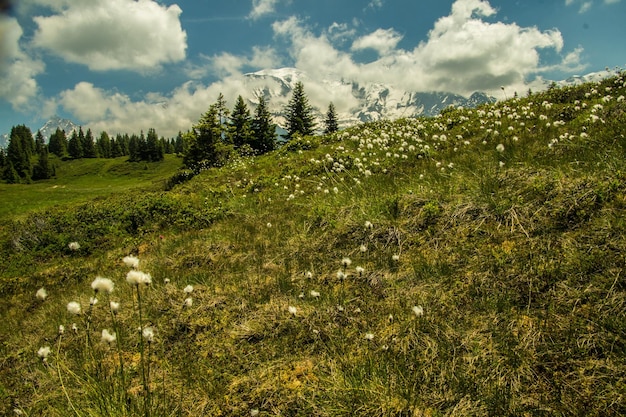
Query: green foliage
point(330, 123)
point(469, 264)
point(299, 114)
point(263, 128)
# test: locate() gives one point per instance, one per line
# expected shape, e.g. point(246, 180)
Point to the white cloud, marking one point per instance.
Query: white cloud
point(17, 69)
point(262, 8)
point(113, 34)
point(382, 40)
point(463, 53)
point(586, 5)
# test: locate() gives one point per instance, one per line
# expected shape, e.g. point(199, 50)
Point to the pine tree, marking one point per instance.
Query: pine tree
point(241, 124)
point(19, 151)
point(203, 138)
point(75, 146)
point(154, 148)
point(40, 142)
point(263, 128)
point(300, 118)
point(58, 143)
point(330, 123)
point(104, 145)
point(222, 116)
point(89, 146)
point(42, 171)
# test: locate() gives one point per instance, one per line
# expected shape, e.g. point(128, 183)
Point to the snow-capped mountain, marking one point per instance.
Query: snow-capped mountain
point(370, 102)
point(47, 129)
point(55, 123)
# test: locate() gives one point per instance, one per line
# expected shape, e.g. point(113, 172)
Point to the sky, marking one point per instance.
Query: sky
point(130, 65)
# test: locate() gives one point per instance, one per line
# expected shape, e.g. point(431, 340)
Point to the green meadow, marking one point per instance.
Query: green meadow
point(470, 264)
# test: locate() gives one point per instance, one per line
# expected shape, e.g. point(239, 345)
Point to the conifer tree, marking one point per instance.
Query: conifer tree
point(19, 151)
point(40, 142)
point(104, 145)
point(42, 171)
point(222, 117)
point(89, 146)
point(330, 123)
point(241, 124)
point(57, 143)
point(154, 148)
point(300, 118)
point(75, 146)
point(263, 128)
point(203, 140)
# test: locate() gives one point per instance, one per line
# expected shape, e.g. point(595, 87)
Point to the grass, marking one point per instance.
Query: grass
point(491, 283)
point(82, 180)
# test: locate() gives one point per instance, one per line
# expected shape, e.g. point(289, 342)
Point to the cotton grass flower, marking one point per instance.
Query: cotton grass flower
point(41, 294)
point(73, 307)
point(346, 262)
point(292, 310)
point(363, 248)
point(188, 302)
point(74, 246)
point(93, 301)
point(115, 307)
point(188, 289)
point(108, 337)
point(137, 277)
point(395, 258)
point(369, 336)
point(369, 225)
point(131, 261)
point(43, 352)
point(148, 334)
point(360, 270)
point(61, 329)
point(418, 311)
point(315, 294)
point(102, 284)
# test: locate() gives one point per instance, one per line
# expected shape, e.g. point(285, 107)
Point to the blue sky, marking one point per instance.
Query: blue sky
point(127, 65)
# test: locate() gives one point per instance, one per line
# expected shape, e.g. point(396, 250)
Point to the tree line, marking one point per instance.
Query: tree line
point(218, 134)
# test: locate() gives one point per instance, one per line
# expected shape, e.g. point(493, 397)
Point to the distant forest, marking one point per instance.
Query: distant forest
point(217, 137)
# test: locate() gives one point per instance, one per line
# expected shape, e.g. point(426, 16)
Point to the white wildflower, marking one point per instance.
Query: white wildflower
point(93, 301)
point(148, 334)
point(188, 302)
point(315, 294)
point(137, 277)
point(115, 307)
point(131, 261)
point(395, 258)
point(292, 310)
point(41, 294)
point(74, 246)
point(369, 225)
point(61, 329)
point(418, 311)
point(73, 307)
point(500, 148)
point(369, 336)
point(43, 352)
point(360, 270)
point(363, 248)
point(102, 284)
point(188, 289)
point(107, 337)
point(346, 262)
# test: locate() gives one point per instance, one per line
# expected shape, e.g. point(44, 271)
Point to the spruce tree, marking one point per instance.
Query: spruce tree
point(75, 146)
point(300, 118)
point(19, 151)
point(240, 124)
point(42, 171)
point(40, 142)
point(263, 128)
point(89, 146)
point(57, 143)
point(203, 138)
point(330, 123)
point(104, 145)
point(154, 148)
point(222, 116)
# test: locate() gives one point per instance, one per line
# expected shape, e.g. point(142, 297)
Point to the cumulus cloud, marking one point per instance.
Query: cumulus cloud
point(113, 34)
point(382, 40)
point(17, 69)
point(262, 8)
point(465, 51)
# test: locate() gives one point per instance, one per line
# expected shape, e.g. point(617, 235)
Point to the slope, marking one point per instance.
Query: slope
point(469, 264)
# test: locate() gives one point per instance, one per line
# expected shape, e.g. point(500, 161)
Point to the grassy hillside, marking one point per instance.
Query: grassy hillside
point(466, 265)
point(84, 179)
